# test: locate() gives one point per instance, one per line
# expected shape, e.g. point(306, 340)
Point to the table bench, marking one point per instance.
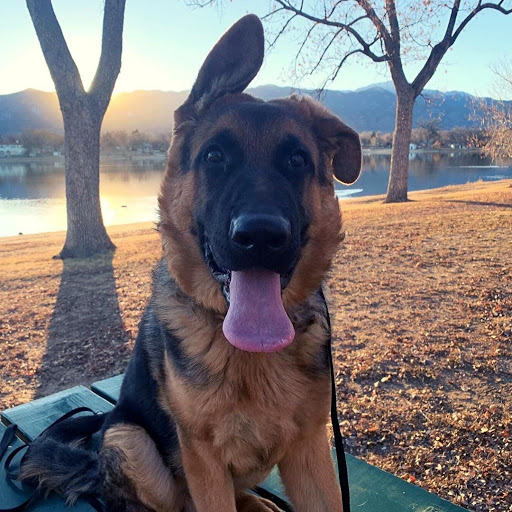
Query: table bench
point(371, 489)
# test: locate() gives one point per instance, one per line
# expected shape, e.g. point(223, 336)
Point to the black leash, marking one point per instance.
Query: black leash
point(338, 438)
point(12, 474)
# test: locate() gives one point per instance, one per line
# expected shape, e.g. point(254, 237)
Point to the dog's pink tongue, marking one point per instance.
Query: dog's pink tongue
point(256, 319)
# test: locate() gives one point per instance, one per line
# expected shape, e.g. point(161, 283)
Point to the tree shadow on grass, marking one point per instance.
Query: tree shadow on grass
point(86, 337)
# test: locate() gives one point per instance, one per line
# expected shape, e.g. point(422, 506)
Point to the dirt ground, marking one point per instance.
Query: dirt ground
point(421, 295)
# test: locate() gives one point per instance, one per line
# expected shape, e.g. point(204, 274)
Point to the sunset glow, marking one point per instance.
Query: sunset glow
point(165, 44)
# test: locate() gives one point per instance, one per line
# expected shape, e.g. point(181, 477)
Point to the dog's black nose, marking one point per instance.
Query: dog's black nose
point(257, 232)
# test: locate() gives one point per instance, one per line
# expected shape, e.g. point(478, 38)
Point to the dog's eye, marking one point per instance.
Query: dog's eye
point(297, 160)
point(214, 156)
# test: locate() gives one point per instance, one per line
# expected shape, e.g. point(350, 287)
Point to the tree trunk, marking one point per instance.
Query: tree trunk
point(398, 174)
point(83, 113)
point(86, 234)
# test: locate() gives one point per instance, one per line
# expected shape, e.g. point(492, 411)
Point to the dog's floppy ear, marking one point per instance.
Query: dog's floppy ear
point(336, 139)
point(230, 66)
point(347, 159)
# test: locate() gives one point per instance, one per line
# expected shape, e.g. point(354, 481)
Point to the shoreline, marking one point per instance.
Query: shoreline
point(124, 156)
point(344, 201)
point(127, 155)
point(387, 151)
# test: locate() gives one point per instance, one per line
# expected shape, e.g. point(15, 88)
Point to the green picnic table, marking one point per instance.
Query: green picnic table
point(371, 489)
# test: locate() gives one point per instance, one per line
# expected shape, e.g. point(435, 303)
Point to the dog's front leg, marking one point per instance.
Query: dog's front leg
point(308, 474)
point(209, 482)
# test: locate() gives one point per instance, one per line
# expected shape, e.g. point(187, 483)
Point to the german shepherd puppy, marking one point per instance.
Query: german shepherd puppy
point(230, 372)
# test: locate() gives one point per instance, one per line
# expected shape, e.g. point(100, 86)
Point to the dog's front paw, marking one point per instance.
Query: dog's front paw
point(251, 503)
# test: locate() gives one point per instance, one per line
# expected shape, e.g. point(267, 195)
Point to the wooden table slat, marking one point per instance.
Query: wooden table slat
point(33, 417)
point(372, 489)
point(109, 389)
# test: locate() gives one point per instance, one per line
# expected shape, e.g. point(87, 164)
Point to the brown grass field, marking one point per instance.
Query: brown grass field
point(421, 296)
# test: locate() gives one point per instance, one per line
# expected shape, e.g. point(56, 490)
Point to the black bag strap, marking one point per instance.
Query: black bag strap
point(12, 474)
point(7, 439)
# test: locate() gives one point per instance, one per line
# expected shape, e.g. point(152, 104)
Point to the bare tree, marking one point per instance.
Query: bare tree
point(83, 113)
point(432, 129)
point(332, 31)
point(497, 115)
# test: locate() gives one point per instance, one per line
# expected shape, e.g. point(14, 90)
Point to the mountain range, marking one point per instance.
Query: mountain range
point(368, 109)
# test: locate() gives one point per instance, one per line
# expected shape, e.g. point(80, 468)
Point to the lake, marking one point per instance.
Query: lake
point(32, 195)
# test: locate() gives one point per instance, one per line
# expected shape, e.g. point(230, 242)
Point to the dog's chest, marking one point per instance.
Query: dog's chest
point(252, 423)
point(255, 411)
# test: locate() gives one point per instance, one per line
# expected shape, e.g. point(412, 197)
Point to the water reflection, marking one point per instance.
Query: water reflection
point(427, 170)
point(32, 193)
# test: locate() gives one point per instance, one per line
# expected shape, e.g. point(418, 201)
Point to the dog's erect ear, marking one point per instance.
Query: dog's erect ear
point(231, 65)
point(336, 139)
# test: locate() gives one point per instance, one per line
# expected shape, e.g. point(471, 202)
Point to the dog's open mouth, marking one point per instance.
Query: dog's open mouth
point(223, 276)
point(256, 320)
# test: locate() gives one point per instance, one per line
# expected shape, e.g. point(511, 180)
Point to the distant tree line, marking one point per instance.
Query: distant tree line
point(9, 139)
point(40, 142)
point(134, 141)
point(429, 135)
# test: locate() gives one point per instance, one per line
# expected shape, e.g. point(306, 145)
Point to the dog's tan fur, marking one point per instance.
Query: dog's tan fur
point(142, 464)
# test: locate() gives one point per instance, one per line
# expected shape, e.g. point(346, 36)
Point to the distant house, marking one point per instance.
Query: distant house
point(11, 150)
point(412, 147)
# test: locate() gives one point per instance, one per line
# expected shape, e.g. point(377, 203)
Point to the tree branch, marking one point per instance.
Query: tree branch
point(452, 20)
point(391, 44)
point(440, 49)
point(340, 65)
point(344, 26)
point(430, 66)
point(270, 14)
point(504, 76)
point(393, 22)
point(305, 40)
point(480, 7)
point(336, 71)
point(379, 25)
point(111, 49)
point(64, 72)
point(281, 32)
point(335, 5)
point(326, 49)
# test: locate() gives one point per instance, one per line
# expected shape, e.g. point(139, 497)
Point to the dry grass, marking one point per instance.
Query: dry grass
point(423, 331)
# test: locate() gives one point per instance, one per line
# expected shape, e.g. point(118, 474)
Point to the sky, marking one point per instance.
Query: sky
point(165, 42)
